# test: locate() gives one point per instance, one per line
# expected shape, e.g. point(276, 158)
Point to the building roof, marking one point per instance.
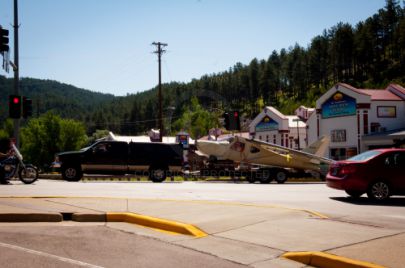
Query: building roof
point(398, 87)
point(392, 134)
point(378, 94)
point(275, 111)
point(293, 124)
point(381, 94)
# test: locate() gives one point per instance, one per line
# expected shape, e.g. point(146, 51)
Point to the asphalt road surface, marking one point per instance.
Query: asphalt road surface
point(310, 196)
point(356, 228)
point(74, 245)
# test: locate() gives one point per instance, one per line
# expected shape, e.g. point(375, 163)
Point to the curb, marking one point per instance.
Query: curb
point(147, 221)
point(157, 223)
point(31, 217)
point(323, 260)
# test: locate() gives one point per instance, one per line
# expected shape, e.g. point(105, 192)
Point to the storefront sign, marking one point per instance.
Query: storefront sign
point(267, 124)
point(339, 105)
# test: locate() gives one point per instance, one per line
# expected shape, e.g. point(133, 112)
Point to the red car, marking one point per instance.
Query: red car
point(379, 173)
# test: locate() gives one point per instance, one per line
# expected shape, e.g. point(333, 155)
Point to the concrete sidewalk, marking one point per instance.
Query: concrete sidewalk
point(255, 235)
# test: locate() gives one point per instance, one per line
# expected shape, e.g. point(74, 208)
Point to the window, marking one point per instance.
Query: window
point(387, 111)
point(338, 135)
point(101, 148)
point(238, 146)
point(395, 160)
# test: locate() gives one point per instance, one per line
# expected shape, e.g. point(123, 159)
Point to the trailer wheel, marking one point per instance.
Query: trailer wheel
point(265, 176)
point(280, 175)
point(250, 177)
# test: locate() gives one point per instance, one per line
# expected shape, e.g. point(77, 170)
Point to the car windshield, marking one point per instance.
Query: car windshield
point(364, 156)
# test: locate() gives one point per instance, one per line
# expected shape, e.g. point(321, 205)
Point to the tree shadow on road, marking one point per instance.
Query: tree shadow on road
point(364, 201)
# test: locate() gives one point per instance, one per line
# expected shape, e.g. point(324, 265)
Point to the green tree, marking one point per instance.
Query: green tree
point(49, 134)
point(196, 120)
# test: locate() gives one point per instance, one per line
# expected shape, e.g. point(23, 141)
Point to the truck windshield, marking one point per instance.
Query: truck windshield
point(85, 148)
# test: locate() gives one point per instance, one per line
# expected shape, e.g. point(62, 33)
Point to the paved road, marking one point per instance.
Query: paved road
point(249, 224)
point(93, 245)
point(311, 196)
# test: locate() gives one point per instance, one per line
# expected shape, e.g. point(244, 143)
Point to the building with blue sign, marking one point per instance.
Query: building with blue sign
point(359, 119)
point(274, 127)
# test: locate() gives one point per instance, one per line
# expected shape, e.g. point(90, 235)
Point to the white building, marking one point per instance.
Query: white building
point(359, 119)
point(304, 112)
point(274, 127)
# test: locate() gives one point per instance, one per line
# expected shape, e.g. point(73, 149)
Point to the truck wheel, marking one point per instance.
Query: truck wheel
point(158, 174)
point(71, 173)
point(250, 177)
point(265, 176)
point(280, 175)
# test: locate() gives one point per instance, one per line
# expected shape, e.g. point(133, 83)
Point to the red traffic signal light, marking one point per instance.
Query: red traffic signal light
point(232, 121)
point(14, 106)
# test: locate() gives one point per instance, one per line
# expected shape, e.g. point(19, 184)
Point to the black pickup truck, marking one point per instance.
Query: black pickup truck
point(157, 160)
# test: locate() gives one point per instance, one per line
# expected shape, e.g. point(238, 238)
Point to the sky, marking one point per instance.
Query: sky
point(105, 45)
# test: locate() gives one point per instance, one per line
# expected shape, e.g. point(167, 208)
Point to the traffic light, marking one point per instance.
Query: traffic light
point(232, 121)
point(226, 119)
point(3, 40)
point(27, 107)
point(14, 106)
point(236, 121)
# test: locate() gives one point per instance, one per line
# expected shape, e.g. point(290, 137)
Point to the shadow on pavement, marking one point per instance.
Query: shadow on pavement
point(364, 201)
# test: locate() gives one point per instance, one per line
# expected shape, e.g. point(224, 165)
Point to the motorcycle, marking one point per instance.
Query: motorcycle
point(14, 165)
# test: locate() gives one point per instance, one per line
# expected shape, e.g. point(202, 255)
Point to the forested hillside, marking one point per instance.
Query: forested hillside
point(370, 54)
point(62, 99)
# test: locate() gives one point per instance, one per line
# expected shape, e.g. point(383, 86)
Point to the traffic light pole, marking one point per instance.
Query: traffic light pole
point(16, 72)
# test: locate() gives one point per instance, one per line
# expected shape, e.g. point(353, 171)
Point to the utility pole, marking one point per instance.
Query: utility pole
point(16, 67)
point(298, 132)
point(159, 51)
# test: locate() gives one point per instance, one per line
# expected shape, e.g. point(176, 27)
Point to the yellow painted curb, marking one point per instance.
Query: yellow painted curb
point(157, 223)
point(323, 260)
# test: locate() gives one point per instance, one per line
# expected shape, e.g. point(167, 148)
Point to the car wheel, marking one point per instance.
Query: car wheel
point(379, 191)
point(354, 194)
point(71, 173)
point(158, 175)
point(281, 176)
